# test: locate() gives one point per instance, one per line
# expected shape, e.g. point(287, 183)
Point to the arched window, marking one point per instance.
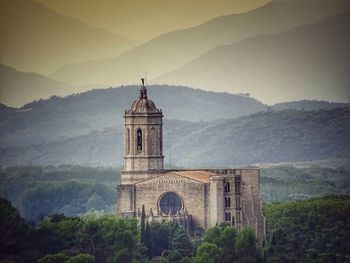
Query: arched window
point(227, 187)
point(139, 139)
point(227, 216)
point(227, 201)
point(127, 141)
point(154, 141)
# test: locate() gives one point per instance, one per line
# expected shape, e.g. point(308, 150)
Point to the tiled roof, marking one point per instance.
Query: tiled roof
point(202, 176)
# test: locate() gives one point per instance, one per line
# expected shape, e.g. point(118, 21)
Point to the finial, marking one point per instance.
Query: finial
point(143, 90)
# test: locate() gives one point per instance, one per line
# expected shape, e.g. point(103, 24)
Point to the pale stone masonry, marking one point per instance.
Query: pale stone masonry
point(197, 199)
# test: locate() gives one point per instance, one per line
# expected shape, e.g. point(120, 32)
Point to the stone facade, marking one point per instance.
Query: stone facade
point(198, 199)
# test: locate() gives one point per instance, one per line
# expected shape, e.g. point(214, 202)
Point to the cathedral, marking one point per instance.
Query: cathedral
point(195, 198)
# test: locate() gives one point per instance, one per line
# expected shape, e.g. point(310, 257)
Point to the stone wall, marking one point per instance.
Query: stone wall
point(125, 200)
point(251, 202)
point(193, 194)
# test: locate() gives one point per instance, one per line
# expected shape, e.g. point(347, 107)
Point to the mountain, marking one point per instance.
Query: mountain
point(308, 62)
point(17, 88)
point(261, 137)
point(308, 105)
point(174, 49)
point(148, 19)
point(35, 38)
point(57, 118)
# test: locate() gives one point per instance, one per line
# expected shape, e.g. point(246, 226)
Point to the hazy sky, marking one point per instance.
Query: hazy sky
point(35, 39)
point(142, 20)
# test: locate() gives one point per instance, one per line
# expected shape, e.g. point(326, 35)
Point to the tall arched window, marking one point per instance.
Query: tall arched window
point(227, 187)
point(127, 141)
point(153, 141)
point(139, 140)
point(227, 216)
point(227, 201)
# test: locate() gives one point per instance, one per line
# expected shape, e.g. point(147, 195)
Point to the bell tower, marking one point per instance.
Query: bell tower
point(143, 139)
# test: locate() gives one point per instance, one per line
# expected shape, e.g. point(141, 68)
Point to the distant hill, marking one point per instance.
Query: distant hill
point(17, 88)
point(35, 38)
point(46, 121)
point(174, 49)
point(269, 136)
point(309, 105)
point(309, 62)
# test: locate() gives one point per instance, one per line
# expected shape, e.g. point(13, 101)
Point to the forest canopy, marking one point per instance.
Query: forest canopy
point(314, 230)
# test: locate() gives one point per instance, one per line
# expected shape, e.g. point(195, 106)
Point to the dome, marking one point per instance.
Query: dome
point(143, 104)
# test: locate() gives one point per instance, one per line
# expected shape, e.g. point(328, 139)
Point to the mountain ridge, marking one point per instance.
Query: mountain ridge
point(17, 87)
point(287, 65)
point(171, 50)
point(36, 38)
point(52, 119)
point(270, 136)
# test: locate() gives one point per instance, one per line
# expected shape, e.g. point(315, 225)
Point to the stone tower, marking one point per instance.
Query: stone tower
point(143, 139)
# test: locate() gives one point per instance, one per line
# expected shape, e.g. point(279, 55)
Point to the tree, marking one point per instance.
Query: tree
point(54, 258)
point(160, 236)
point(181, 243)
point(113, 239)
point(12, 228)
point(143, 225)
point(246, 246)
point(228, 240)
point(81, 258)
point(224, 237)
point(147, 239)
point(208, 253)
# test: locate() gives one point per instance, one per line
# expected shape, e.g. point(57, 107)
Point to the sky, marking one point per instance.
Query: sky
point(60, 47)
point(142, 20)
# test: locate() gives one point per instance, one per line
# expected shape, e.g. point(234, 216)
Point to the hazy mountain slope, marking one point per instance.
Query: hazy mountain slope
point(310, 62)
point(262, 137)
point(309, 105)
point(35, 38)
point(268, 137)
point(57, 118)
point(17, 88)
point(169, 51)
point(144, 20)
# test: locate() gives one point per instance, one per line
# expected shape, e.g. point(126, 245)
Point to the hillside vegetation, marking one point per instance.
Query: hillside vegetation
point(316, 230)
point(286, 183)
point(281, 136)
point(60, 118)
point(72, 190)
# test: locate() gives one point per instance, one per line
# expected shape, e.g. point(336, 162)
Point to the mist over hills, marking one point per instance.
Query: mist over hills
point(35, 38)
point(17, 88)
point(308, 105)
point(270, 136)
point(58, 118)
point(172, 50)
point(308, 62)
